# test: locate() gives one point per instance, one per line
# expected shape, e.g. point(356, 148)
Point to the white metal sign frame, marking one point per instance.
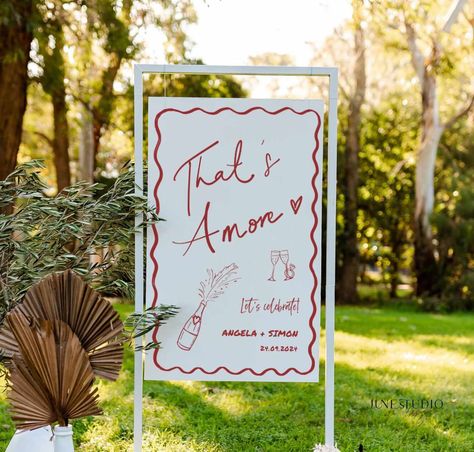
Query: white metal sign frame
point(332, 73)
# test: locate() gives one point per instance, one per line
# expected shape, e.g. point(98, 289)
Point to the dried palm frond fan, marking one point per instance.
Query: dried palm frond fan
point(57, 340)
point(52, 380)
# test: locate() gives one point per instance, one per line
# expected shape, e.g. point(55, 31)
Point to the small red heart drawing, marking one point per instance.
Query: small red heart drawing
point(295, 205)
point(196, 319)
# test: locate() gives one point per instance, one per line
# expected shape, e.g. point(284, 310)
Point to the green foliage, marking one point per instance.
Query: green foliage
point(386, 204)
point(50, 37)
point(46, 234)
point(453, 219)
point(115, 27)
point(12, 12)
point(386, 193)
point(139, 324)
point(198, 86)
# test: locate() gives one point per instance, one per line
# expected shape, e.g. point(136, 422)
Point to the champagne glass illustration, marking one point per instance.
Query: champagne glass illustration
point(289, 268)
point(211, 289)
point(274, 257)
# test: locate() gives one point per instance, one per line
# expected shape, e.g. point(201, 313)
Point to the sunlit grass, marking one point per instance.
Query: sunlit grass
point(410, 356)
point(381, 354)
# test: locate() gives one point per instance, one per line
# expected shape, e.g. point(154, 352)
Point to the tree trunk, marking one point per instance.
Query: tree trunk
point(15, 44)
point(86, 148)
point(101, 113)
point(426, 266)
point(96, 135)
point(61, 137)
point(53, 82)
point(425, 262)
point(394, 271)
point(347, 285)
point(393, 286)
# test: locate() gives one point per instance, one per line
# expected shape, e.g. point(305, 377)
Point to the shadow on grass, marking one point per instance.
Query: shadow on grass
point(275, 417)
point(290, 417)
point(443, 429)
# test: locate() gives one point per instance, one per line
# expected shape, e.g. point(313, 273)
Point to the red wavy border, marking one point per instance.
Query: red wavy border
point(311, 262)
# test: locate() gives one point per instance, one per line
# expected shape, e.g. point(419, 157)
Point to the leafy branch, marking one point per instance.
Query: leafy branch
point(139, 324)
point(43, 234)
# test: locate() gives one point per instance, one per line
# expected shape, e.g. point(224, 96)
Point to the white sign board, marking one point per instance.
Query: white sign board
point(239, 184)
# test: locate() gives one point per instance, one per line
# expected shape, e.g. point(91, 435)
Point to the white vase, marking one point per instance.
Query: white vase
point(38, 440)
point(63, 439)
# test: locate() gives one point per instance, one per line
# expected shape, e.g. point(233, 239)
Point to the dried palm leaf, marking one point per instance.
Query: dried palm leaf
point(51, 379)
point(30, 407)
point(65, 296)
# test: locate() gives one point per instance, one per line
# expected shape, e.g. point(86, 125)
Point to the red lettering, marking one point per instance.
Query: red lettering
point(269, 164)
point(207, 235)
point(248, 305)
point(218, 176)
point(229, 231)
point(237, 163)
point(253, 225)
point(188, 163)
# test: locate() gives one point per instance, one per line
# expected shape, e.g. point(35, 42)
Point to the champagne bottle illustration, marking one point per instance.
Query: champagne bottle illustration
point(211, 289)
point(191, 328)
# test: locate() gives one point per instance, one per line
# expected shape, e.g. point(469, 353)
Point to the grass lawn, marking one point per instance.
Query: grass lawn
point(381, 354)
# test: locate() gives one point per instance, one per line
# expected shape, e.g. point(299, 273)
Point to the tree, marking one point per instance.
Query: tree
point(78, 53)
point(109, 23)
point(347, 284)
point(50, 36)
point(427, 67)
point(114, 25)
point(118, 46)
point(16, 35)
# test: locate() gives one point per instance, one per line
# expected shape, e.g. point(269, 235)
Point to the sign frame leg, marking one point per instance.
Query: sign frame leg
point(139, 236)
point(330, 260)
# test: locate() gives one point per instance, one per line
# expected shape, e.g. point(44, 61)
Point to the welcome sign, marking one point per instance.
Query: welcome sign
point(239, 184)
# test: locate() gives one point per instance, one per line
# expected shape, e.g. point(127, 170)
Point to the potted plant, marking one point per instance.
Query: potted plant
point(56, 342)
point(45, 235)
